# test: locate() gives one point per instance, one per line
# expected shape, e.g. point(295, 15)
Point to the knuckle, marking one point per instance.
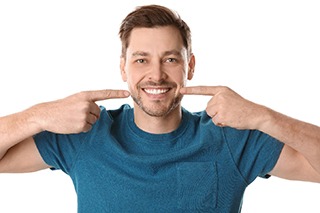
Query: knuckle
point(82, 116)
point(224, 89)
point(83, 111)
point(84, 126)
point(205, 89)
point(108, 93)
point(83, 95)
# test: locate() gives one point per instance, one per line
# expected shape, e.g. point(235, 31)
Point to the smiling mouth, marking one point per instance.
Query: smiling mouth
point(155, 91)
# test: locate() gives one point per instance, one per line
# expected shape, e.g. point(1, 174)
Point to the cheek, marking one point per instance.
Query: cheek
point(132, 83)
point(180, 79)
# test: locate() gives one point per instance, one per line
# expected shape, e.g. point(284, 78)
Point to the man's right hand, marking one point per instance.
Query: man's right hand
point(73, 114)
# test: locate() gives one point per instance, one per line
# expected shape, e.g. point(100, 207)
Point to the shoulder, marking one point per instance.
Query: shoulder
point(199, 116)
point(114, 113)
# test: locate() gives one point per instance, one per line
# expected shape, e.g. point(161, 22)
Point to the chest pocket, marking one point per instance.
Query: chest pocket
point(197, 186)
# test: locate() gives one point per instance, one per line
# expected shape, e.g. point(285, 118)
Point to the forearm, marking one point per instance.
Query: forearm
point(301, 136)
point(73, 114)
point(15, 128)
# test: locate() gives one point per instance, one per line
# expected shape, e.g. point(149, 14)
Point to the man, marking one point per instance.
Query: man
point(157, 156)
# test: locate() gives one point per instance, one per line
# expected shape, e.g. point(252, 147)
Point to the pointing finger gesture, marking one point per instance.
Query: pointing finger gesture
point(227, 108)
point(76, 113)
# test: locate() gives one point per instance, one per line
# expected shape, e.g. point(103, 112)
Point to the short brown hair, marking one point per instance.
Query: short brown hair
point(150, 16)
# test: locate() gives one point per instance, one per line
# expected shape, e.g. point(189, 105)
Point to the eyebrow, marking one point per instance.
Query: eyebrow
point(140, 53)
point(166, 53)
point(172, 52)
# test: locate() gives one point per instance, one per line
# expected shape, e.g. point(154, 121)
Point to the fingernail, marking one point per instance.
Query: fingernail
point(126, 93)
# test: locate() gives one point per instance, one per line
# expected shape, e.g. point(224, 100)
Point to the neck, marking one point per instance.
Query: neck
point(157, 125)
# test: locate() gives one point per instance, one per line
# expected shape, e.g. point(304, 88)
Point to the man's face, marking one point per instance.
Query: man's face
point(156, 67)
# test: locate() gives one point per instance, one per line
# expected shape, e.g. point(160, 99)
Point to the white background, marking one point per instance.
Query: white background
point(268, 51)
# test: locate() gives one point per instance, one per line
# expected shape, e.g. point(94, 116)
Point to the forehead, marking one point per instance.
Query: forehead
point(157, 39)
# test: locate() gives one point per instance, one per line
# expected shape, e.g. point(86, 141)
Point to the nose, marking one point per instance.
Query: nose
point(156, 72)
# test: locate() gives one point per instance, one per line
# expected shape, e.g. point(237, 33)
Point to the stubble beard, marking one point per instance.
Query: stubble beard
point(161, 110)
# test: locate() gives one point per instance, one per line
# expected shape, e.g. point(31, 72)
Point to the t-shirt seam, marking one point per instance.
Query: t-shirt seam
point(78, 152)
point(85, 140)
point(272, 155)
point(154, 141)
point(232, 157)
point(43, 152)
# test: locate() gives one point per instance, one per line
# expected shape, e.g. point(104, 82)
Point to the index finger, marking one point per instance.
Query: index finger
point(200, 90)
point(99, 95)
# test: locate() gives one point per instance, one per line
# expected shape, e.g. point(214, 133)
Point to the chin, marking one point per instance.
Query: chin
point(160, 110)
point(157, 108)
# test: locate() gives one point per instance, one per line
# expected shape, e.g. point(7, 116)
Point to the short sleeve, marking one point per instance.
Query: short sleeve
point(57, 150)
point(60, 151)
point(255, 153)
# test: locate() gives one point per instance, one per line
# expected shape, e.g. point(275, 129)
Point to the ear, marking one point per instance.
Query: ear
point(122, 66)
point(191, 66)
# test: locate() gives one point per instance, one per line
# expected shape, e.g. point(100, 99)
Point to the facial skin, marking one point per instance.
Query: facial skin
point(155, 67)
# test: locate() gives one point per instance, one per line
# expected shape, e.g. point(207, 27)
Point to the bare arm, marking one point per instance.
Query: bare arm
point(15, 128)
point(18, 152)
point(23, 157)
point(300, 158)
point(74, 114)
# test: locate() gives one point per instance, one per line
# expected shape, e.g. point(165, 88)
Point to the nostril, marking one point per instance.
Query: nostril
point(157, 75)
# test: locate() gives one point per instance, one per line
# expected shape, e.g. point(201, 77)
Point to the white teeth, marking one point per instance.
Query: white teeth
point(156, 91)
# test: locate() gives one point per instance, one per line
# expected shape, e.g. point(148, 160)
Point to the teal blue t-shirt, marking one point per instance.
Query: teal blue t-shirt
point(199, 167)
